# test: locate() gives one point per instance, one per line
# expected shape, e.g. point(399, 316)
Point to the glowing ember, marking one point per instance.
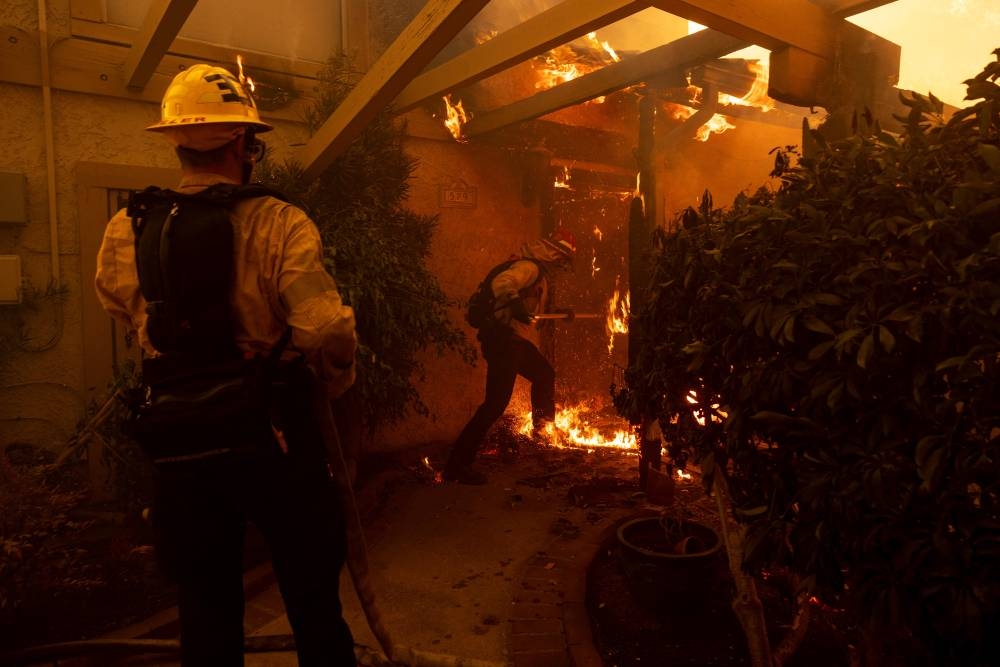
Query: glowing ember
point(598, 234)
point(485, 36)
point(618, 311)
point(594, 268)
point(572, 428)
point(457, 117)
point(562, 178)
point(437, 475)
point(683, 475)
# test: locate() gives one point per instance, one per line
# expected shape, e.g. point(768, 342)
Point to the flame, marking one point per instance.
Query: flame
point(592, 37)
point(692, 398)
point(244, 79)
point(571, 428)
point(757, 95)
point(618, 312)
point(457, 117)
point(683, 475)
point(562, 64)
point(717, 124)
point(562, 178)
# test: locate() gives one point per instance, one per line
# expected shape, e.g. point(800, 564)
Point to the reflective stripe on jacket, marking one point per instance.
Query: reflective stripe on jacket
point(280, 281)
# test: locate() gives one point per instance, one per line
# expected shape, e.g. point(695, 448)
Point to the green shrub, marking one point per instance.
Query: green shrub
point(842, 334)
point(377, 251)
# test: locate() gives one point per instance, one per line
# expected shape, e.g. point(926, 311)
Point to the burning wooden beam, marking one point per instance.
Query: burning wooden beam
point(163, 22)
point(433, 27)
point(558, 25)
point(670, 60)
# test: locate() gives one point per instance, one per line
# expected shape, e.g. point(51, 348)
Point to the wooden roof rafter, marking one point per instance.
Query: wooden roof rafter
point(669, 60)
point(429, 32)
point(553, 27)
point(161, 26)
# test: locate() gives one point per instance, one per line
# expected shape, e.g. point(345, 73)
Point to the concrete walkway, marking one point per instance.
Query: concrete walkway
point(493, 573)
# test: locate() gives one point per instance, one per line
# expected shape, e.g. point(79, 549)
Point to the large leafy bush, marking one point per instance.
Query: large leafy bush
point(377, 250)
point(842, 336)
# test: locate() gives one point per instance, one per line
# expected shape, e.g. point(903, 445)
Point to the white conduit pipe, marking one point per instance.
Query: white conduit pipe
point(50, 158)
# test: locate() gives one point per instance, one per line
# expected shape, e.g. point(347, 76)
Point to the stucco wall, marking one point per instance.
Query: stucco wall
point(469, 241)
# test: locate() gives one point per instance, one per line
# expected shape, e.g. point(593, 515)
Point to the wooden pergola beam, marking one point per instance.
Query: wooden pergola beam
point(553, 27)
point(162, 24)
point(433, 27)
point(845, 8)
point(670, 59)
point(772, 24)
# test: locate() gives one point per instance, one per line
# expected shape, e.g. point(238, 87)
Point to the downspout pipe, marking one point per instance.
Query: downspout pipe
point(50, 158)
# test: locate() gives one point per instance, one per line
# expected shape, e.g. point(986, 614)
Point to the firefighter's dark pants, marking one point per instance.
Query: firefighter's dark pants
point(507, 356)
point(199, 515)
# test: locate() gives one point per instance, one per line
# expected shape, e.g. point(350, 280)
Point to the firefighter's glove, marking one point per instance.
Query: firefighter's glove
point(568, 312)
point(519, 311)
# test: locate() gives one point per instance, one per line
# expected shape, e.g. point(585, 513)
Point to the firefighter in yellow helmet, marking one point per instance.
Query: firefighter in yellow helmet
point(281, 304)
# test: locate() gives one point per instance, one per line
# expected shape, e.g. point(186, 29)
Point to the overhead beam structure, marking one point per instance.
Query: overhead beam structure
point(845, 8)
point(553, 27)
point(162, 24)
point(433, 27)
point(772, 24)
point(670, 59)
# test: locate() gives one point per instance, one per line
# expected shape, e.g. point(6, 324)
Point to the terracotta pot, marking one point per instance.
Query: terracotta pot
point(667, 561)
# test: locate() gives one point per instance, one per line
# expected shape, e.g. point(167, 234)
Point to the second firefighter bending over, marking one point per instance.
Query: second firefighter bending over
point(513, 293)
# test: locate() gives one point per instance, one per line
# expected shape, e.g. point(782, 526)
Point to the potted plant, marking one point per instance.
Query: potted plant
point(840, 340)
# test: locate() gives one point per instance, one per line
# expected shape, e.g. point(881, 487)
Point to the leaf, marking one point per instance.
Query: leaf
point(950, 362)
point(988, 206)
point(866, 351)
point(753, 511)
point(827, 299)
point(886, 338)
point(813, 323)
point(990, 155)
point(819, 350)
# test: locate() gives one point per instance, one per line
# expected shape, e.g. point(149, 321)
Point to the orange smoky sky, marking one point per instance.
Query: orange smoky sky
point(944, 42)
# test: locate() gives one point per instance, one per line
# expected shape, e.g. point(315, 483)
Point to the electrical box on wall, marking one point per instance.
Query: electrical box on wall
point(13, 198)
point(10, 279)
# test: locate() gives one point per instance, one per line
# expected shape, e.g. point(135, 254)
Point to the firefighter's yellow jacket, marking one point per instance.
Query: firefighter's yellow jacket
point(280, 281)
point(524, 279)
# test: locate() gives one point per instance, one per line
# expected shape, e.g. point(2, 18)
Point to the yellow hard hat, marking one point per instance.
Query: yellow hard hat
point(206, 94)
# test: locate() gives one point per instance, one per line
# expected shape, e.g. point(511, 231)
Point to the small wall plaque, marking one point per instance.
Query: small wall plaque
point(458, 194)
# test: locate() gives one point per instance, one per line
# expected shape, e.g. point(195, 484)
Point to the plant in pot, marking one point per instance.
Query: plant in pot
point(669, 557)
point(840, 339)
